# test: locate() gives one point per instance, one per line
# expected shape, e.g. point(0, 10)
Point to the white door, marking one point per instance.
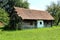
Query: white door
point(40, 23)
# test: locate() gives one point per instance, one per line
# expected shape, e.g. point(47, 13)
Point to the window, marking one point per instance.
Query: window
point(40, 22)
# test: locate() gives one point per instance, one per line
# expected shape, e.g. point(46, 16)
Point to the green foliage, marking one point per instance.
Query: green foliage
point(4, 16)
point(21, 3)
point(54, 9)
point(32, 34)
point(8, 5)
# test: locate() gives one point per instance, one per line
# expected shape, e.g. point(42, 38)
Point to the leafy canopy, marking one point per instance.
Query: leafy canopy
point(4, 16)
point(54, 9)
point(21, 3)
point(8, 5)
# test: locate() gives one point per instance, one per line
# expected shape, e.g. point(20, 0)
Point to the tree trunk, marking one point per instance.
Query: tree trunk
point(58, 22)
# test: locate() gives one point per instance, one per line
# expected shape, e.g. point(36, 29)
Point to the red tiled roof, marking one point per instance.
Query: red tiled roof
point(33, 14)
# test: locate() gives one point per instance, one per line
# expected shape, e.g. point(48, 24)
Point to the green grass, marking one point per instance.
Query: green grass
point(32, 34)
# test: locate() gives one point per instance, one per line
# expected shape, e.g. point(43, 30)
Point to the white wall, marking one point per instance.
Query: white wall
point(40, 25)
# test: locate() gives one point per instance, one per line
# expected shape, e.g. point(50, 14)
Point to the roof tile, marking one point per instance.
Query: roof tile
point(33, 14)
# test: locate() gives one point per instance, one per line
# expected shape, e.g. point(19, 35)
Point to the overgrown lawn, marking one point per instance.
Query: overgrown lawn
point(32, 34)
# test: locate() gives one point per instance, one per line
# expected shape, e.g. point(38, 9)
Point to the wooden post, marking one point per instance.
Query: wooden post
point(51, 23)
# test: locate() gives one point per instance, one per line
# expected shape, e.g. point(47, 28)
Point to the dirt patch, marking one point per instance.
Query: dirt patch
point(1, 24)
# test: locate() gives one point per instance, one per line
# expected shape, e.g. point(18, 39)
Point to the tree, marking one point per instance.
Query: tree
point(8, 5)
point(21, 3)
point(54, 9)
point(4, 17)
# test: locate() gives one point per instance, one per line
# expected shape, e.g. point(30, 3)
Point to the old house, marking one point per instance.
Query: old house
point(34, 18)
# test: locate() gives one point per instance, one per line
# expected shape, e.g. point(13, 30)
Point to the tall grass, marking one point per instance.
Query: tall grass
point(32, 34)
